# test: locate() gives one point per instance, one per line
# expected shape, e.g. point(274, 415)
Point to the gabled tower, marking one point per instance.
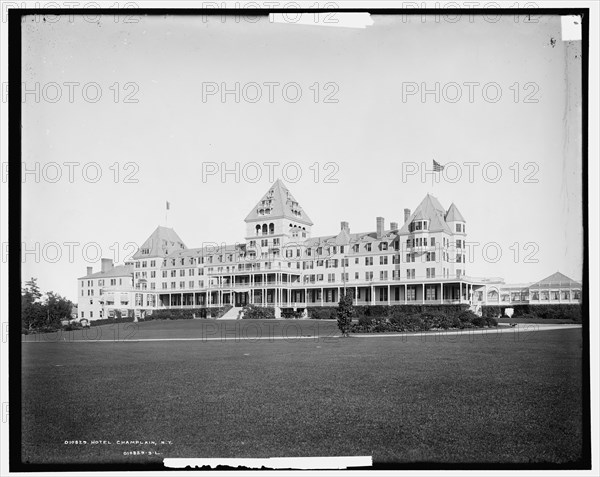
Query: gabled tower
point(277, 215)
point(453, 217)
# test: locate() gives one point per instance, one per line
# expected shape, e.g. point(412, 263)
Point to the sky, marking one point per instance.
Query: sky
point(162, 131)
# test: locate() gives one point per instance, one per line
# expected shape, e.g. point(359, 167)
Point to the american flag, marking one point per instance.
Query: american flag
point(437, 167)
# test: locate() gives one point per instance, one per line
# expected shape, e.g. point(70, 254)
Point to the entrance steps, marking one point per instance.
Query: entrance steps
point(232, 313)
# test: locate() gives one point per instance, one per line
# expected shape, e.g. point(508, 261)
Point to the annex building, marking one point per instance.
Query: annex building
point(280, 264)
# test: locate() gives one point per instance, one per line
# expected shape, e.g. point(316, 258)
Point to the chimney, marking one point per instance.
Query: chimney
point(394, 225)
point(89, 271)
point(380, 226)
point(107, 264)
point(345, 226)
point(406, 215)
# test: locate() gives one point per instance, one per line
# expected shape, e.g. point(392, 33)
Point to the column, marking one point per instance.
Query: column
point(321, 296)
point(388, 295)
point(442, 292)
point(423, 290)
point(405, 292)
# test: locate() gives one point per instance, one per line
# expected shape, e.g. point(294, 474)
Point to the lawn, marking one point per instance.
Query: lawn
point(512, 398)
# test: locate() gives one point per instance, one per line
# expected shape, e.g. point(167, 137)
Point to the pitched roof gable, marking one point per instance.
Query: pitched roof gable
point(557, 279)
point(277, 203)
point(162, 242)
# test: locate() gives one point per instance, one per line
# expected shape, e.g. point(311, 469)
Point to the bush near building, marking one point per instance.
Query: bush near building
point(560, 311)
point(384, 311)
point(253, 312)
point(401, 321)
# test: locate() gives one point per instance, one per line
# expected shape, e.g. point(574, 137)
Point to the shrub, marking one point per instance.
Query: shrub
point(559, 311)
point(290, 313)
point(253, 312)
point(345, 312)
point(328, 313)
point(491, 321)
point(493, 311)
point(479, 321)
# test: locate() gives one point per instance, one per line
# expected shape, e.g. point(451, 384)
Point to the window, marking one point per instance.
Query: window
point(172, 285)
point(164, 274)
point(430, 292)
point(91, 314)
point(383, 275)
point(113, 281)
point(430, 272)
point(152, 274)
point(331, 277)
point(383, 260)
point(383, 246)
point(191, 284)
point(368, 261)
point(411, 293)
point(356, 275)
point(173, 273)
point(368, 247)
point(181, 284)
point(191, 272)
point(458, 228)
point(368, 276)
point(431, 256)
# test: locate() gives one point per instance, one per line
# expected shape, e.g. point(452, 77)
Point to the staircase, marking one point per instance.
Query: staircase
point(231, 314)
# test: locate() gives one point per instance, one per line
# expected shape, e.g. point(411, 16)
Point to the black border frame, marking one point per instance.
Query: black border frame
point(14, 181)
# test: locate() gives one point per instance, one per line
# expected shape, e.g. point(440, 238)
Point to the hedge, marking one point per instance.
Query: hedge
point(186, 314)
point(400, 321)
point(562, 311)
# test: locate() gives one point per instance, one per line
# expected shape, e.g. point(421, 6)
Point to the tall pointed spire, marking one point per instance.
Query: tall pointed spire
point(278, 203)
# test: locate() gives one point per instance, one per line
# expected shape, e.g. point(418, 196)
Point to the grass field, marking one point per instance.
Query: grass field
point(513, 398)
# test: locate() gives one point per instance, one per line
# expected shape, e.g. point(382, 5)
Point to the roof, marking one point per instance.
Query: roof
point(557, 279)
point(118, 271)
point(277, 203)
point(429, 209)
point(453, 215)
point(162, 241)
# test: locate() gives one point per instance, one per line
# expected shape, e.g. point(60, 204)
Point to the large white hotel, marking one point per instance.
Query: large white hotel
point(280, 264)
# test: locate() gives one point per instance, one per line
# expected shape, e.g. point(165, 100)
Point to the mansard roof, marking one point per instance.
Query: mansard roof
point(162, 242)
point(429, 209)
point(278, 203)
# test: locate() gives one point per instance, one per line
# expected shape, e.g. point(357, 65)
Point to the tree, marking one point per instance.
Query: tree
point(42, 314)
point(32, 312)
point(57, 308)
point(345, 312)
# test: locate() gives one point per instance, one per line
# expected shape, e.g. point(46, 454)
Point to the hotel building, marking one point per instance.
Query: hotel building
point(280, 264)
